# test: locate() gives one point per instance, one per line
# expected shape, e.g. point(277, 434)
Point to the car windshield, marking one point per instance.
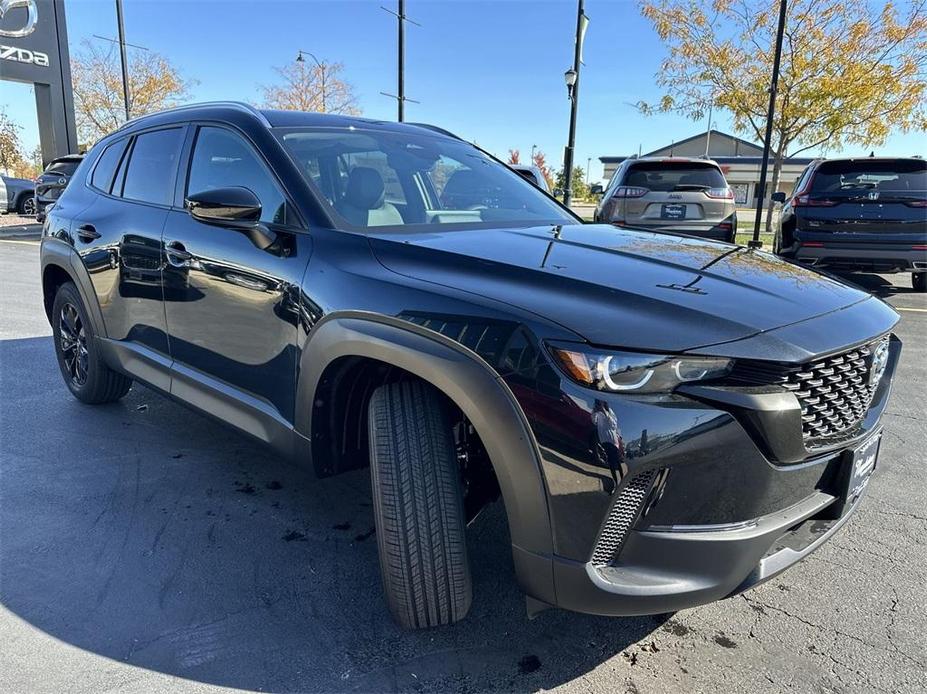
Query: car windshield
point(665, 176)
point(409, 180)
point(902, 178)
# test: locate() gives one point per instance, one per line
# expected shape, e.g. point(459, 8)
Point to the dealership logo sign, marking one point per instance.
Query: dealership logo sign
point(23, 55)
point(32, 16)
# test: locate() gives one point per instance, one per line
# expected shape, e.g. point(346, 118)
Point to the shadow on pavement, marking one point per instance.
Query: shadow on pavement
point(147, 534)
point(879, 285)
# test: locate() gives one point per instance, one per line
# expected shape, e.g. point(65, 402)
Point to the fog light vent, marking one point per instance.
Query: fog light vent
point(621, 517)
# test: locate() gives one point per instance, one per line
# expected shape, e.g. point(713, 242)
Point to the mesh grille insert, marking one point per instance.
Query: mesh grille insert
point(621, 517)
point(834, 392)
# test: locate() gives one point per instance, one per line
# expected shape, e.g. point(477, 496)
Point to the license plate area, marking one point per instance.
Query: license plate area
point(862, 463)
point(673, 211)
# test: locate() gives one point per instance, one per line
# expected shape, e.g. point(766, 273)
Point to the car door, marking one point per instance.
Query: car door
point(232, 295)
point(118, 237)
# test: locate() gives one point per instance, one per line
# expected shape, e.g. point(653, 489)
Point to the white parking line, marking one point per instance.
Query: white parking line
point(913, 310)
point(26, 243)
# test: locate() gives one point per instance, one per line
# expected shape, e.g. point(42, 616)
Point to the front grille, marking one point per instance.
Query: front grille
point(621, 517)
point(834, 392)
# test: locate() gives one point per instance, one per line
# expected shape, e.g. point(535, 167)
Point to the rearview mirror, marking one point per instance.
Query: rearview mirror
point(235, 206)
point(778, 196)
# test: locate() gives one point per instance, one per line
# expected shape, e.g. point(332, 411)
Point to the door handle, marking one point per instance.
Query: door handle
point(177, 255)
point(86, 232)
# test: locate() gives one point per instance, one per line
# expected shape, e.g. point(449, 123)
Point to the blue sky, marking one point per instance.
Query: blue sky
point(490, 71)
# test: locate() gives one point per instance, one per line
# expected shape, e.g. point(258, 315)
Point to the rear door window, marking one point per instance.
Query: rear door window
point(63, 168)
point(666, 176)
point(152, 165)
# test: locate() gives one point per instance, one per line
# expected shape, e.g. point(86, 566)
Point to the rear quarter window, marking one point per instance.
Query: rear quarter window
point(105, 169)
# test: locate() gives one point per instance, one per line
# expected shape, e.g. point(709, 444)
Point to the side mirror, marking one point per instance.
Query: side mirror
point(235, 207)
point(778, 196)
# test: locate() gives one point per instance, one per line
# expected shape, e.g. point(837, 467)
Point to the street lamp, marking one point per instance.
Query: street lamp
point(571, 77)
point(321, 66)
point(533, 150)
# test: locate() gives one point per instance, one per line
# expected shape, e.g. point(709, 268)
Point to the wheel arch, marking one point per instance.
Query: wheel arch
point(60, 264)
point(470, 384)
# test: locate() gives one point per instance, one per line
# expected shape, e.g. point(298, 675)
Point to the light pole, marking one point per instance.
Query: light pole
point(755, 241)
point(321, 66)
point(571, 77)
point(122, 57)
point(588, 164)
point(533, 150)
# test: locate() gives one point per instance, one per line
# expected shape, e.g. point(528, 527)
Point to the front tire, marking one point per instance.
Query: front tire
point(418, 507)
point(85, 373)
point(919, 281)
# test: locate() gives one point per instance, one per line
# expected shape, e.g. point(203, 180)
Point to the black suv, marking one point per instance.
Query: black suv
point(667, 420)
point(866, 215)
point(51, 183)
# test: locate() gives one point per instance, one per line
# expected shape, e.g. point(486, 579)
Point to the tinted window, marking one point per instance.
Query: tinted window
point(63, 168)
point(666, 176)
point(152, 163)
point(105, 169)
point(377, 178)
point(221, 159)
point(905, 177)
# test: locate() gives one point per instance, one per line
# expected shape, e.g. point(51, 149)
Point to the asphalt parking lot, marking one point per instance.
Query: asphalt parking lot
point(144, 548)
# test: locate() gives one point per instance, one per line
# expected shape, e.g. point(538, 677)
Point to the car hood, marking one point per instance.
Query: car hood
point(621, 287)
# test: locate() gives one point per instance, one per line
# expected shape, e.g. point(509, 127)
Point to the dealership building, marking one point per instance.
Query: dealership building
point(739, 159)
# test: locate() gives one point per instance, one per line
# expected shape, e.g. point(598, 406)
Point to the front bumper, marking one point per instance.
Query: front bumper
point(718, 514)
point(860, 257)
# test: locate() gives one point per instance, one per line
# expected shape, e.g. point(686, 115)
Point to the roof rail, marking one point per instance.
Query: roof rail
point(436, 129)
point(241, 106)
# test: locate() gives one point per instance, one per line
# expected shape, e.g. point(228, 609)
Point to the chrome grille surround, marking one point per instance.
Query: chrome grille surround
point(621, 517)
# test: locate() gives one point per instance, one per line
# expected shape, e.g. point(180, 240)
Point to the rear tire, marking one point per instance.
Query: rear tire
point(85, 373)
point(26, 205)
point(919, 281)
point(418, 507)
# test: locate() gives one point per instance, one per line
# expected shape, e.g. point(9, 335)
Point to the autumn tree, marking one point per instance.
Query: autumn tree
point(10, 146)
point(306, 86)
point(96, 74)
point(850, 74)
point(514, 156)
point(539, 159)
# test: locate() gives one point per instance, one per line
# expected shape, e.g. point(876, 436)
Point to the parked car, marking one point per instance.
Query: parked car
point(52, 182)
point(668, 420)
point(860, 215)
point(4, 200)
point(20, 195)
point(678, 195)
point(533, 174)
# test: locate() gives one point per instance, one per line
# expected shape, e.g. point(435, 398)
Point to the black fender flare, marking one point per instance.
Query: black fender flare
point(59, 253)
point(481, 394)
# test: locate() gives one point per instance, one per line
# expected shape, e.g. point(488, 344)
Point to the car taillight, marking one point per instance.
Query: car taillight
point(917, 203)
point(630, 192)
point(813, 244)
point(808, 201)
point(721, 193)
point(919, 248)
point(725, 226)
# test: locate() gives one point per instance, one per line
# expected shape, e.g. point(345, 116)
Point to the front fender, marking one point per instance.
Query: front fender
point(479, 392)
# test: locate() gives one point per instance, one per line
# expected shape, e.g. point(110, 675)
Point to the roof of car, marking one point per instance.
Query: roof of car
point(271, 118)
point(685, 160)
point(67, 157)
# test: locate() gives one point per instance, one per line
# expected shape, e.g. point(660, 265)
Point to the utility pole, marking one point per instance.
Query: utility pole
point(400, 96)
point(755, 241)
point(122, 57)
point(571, 77)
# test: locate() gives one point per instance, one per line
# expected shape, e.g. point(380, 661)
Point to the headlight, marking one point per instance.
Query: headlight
point(633, 372)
